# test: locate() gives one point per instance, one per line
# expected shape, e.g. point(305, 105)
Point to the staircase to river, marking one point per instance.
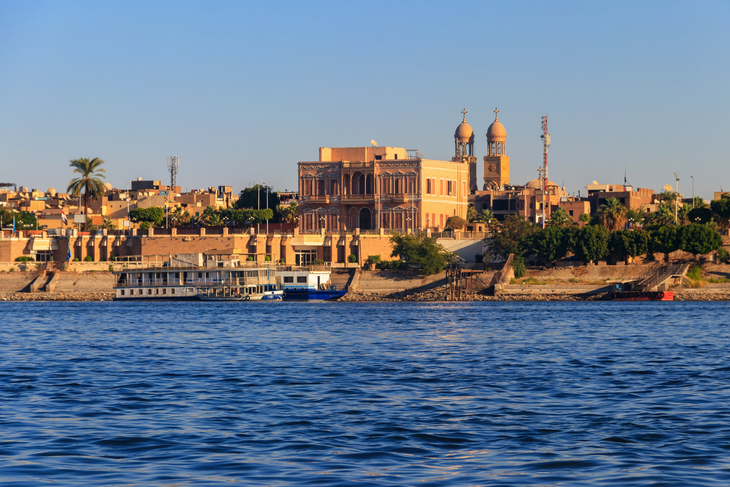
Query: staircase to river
point(659, 276)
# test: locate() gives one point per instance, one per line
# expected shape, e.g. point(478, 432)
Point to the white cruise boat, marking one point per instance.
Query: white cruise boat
point(197, 276)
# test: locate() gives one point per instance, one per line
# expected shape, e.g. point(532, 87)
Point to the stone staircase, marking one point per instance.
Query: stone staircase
point(659, 276)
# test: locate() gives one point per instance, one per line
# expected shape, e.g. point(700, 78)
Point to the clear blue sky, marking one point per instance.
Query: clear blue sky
point(242, 91)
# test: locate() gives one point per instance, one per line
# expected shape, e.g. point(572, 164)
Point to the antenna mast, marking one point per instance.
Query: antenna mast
point(173, 164)
point(545, 144)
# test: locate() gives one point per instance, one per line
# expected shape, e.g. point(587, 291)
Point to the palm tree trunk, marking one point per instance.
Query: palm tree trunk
point(86, 210)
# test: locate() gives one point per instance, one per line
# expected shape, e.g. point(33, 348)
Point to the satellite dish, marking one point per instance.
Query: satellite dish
point(667, 187)
point(375, 144)
point(595, 182)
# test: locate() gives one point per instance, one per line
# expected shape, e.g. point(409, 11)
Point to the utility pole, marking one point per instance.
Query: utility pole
point(676, 196)
point(693, 192)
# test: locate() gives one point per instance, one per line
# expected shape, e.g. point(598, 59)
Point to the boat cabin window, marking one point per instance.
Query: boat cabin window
point(288, 278)
point(302, 279)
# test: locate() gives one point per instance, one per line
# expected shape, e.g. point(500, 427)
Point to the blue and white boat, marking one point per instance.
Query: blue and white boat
point(309, 285)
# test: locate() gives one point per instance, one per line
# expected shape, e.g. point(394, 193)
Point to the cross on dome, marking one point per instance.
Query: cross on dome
point(496, 112)
point(464, 112)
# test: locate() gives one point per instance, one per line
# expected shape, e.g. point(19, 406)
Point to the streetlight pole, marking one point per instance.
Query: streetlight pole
point(693, 192)
point(676, 196)
point(267, 207)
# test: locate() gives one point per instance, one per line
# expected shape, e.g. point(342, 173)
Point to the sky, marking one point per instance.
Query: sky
point(242, 91)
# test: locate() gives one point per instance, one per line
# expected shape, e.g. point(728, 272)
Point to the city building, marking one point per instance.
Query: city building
point(388, 188)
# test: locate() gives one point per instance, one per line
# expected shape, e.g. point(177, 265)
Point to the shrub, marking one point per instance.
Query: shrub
point(723, 256)
point(385, 265)
point(695, 273)
point(267, 258)
point(111, 267)
point(12, 269)
point(24, 258)
point(373, 259)
point(518, 264)
point(89, 258)
point(352, 258)
point(317, 262)
point(249, 258)
point(76, 259)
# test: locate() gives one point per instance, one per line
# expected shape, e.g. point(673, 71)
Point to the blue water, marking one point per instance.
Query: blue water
point(548, 394)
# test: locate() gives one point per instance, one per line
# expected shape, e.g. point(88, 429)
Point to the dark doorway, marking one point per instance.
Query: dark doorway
point(365, 219)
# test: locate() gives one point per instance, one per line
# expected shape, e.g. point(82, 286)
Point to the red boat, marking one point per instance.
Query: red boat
point(642, 296)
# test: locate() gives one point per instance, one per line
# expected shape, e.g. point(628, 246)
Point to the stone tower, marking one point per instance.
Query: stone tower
point(464, 150)
point(496, 162)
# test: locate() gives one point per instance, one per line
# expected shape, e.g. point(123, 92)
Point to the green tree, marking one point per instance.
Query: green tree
point(663, 216)
point(88, 181)
point(24, 220)
point(289, 214)
point(612, 214)
point(699, 239)
point(179, 217)
point(254, 197)
point(471, 213)
point(721, 210)
point(633, 242)
point(550, 244)
point(700, 215)
point(591, 243)
point(455, 222)
point(154, 216)
point(560, 218)
point(634, 217)
point(665, 239)
point(420, 251)
point(585, 218)
point(486, 216)
point(508, 237)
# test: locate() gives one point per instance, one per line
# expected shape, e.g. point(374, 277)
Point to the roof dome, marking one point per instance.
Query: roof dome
point(496, 131)
point(535, 184)
point(463, 132)
point(51, 192)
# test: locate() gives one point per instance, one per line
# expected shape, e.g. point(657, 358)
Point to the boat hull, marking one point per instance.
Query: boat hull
point(642, 296)
point(313, 295)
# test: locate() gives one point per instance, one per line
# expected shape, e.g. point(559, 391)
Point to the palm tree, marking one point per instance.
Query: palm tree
point(471, 213)
point(179, 217)
point(215, 220)
point(612, 214)
point(288, 213)
point(560, 218)
point(663, 216)
point(88, 181)
point(700, 203)
point(486, 216)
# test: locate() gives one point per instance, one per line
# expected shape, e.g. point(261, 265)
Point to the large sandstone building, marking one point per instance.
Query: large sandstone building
point(388, 188)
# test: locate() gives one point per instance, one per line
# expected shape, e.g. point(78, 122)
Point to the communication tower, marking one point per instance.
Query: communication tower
point(173, 164)
point(545, 144)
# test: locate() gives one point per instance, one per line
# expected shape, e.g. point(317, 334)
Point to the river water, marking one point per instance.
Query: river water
point(428, 394)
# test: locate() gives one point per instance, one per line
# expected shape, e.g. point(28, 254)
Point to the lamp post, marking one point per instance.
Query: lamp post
point(631, 223)
point(693, 192)
point(676, 196)
point(322, 220)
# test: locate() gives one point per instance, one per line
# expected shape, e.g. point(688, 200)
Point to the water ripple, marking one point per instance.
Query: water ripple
point(370, 394)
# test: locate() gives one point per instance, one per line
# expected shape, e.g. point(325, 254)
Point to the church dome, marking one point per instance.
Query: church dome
point(464, 132)
point(496, 132)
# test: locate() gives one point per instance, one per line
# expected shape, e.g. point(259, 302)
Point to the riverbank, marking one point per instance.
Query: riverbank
point(585, 283)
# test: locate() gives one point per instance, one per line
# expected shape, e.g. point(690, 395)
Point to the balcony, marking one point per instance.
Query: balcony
point(358, 198)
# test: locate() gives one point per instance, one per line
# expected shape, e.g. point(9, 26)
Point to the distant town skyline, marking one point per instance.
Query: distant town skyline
point(242, 91)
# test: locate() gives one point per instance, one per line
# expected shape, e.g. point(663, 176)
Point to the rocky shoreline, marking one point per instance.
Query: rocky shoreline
point(72, 296)
point(432, 295)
